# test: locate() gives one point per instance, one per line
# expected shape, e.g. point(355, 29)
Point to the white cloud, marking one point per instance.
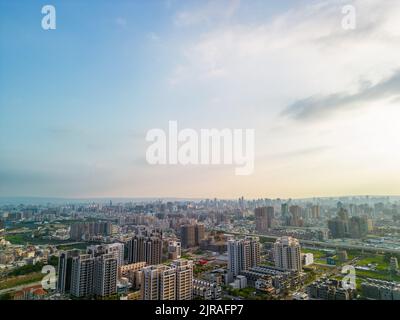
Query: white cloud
point(297, 54)
point(256, 70)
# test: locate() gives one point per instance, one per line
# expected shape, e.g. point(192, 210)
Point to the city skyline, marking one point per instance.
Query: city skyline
point(119, 200)
point(265, 249)
point(77, 101)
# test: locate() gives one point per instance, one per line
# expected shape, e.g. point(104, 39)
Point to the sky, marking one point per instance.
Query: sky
point(76, 102)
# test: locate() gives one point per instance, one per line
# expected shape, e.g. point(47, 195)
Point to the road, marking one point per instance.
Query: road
point(325, 244)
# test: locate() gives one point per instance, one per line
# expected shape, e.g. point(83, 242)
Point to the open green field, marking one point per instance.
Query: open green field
point(16, 238)
point(319, 255)
point(379, 260)
point(377, 275)
point(25, 238)
point(363, 260)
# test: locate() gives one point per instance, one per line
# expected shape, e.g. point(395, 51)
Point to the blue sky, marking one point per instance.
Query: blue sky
point(76, 102)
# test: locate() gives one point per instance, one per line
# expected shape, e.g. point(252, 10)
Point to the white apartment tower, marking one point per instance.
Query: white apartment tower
point(184, 279)
point(105, 275)
point(82, 275)
point(158, 283)
point(168, 284)
point(287, 254)
point(242, 255)
point(163, 282)
point(118, 250)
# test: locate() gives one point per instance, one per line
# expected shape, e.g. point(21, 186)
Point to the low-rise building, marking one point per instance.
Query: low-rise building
point(206, 290)
point(300, 296)
point(125, 270)
point(281, 279)
point(240, 282)
point(30, 293)
point(380, 290)
point(327, 289)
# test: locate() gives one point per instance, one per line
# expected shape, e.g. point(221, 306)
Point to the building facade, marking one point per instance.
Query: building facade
point(287, 254)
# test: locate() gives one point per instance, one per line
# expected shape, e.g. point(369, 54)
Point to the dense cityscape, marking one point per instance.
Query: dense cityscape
point(264, 249)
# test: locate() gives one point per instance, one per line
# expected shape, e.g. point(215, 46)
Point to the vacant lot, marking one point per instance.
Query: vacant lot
point(20, 280)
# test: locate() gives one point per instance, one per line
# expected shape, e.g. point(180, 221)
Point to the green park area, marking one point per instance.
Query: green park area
point(379, 260)
point(377, 264)
point(18, 239)
point(26, 238)
point(380, 275)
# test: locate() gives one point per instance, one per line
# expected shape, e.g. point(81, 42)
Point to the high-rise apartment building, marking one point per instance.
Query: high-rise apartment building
point(339, 226)
point(81, 230)
point(105, 275)
point(192, 234)
point(284, 210)
point(238, 255)
point(261, 218)
point(64, 271)
point(358, 227)
point(295, 216)
point(93, 273)
point(145, 249)
point(174, 250)
point(184, 279)
point(343, 213)
point(271, 216)
point(199, 233)
point(255, 251)
point(264, 217)
point(242, 255)
point(117, 249)
point(163, 282)
point(287, 254)
point(315, 212)
point(188, 236)
point(158, 283)
point(82, 275)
